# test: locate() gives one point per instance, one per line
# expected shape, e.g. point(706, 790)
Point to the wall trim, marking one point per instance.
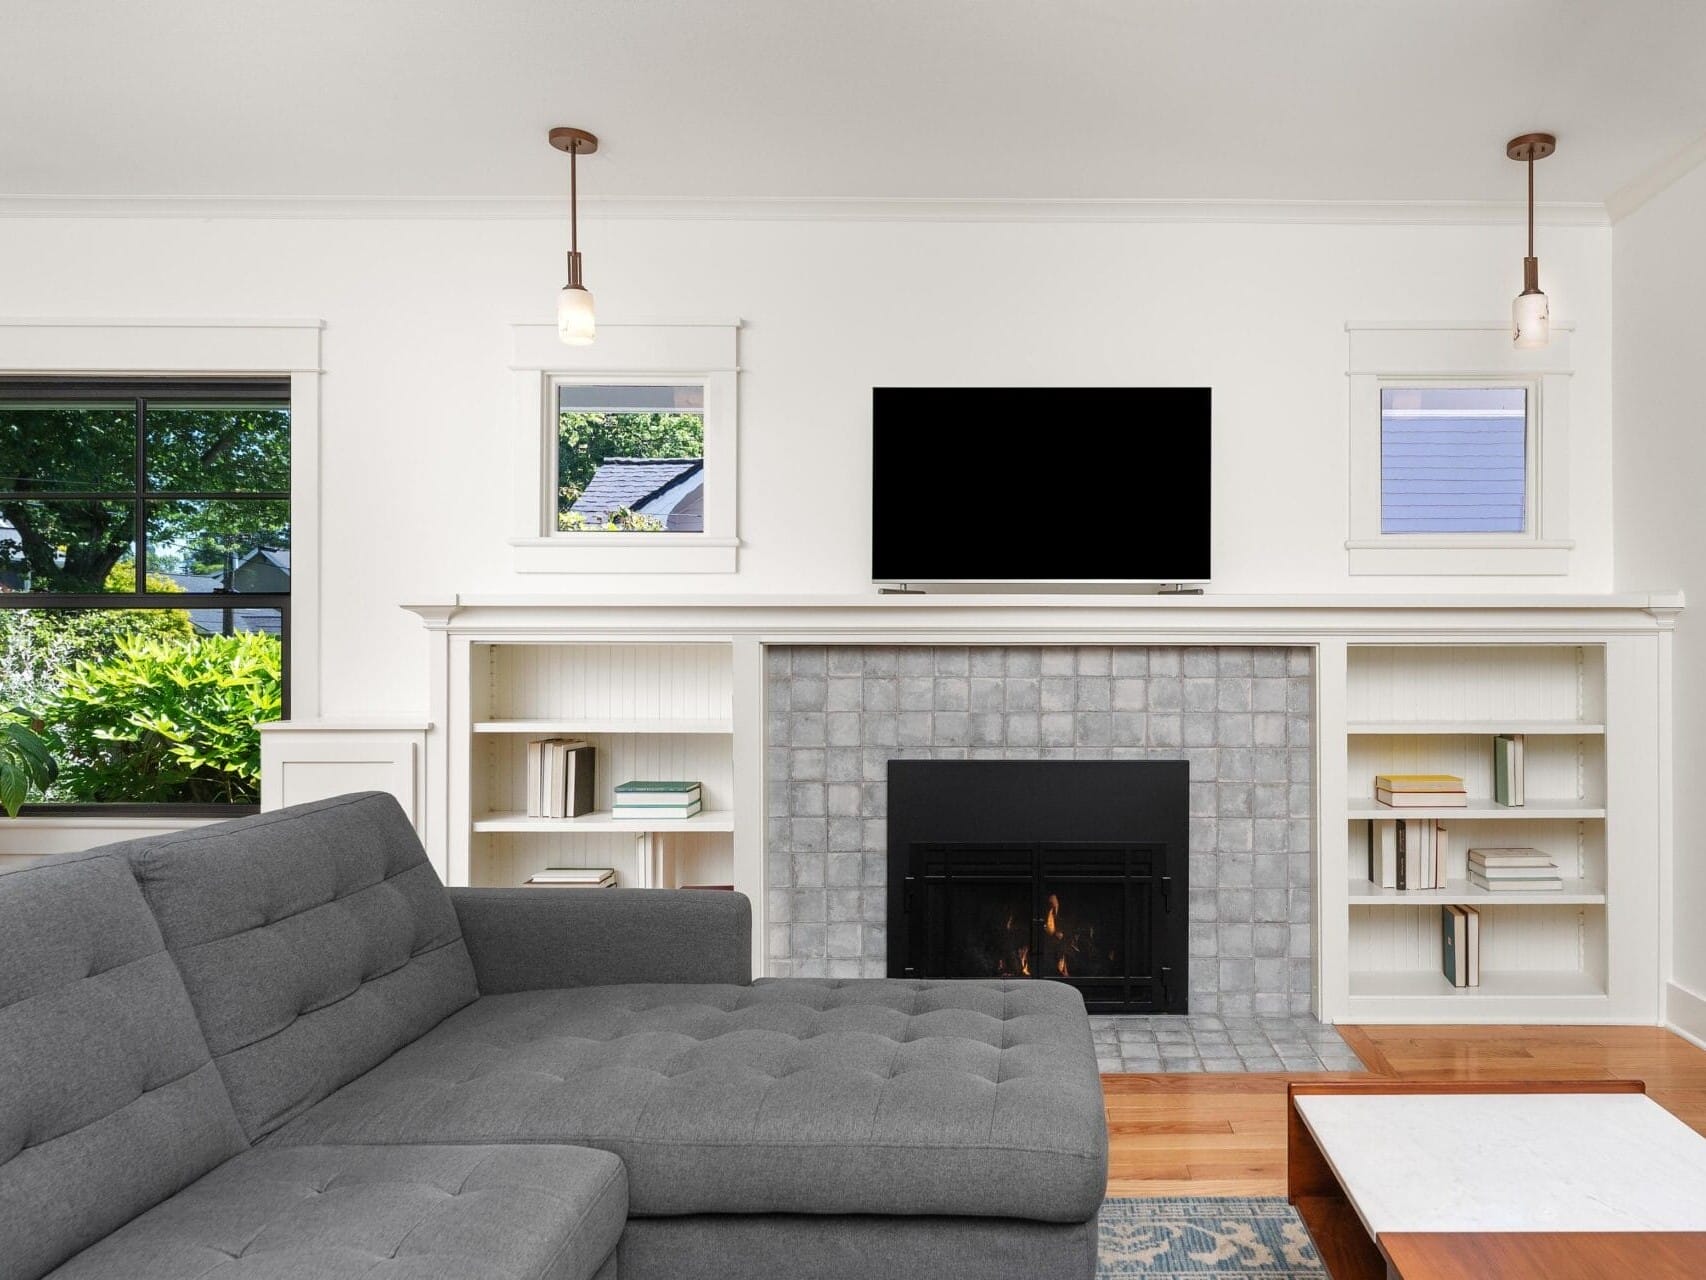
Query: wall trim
point(1634, 194)
point(815, 209)
point(1685, 1013)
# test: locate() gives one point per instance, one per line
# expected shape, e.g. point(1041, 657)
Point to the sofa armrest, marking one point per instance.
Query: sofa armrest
point(530, 939)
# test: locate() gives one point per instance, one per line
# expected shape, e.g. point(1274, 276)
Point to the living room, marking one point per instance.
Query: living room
point(530, 746)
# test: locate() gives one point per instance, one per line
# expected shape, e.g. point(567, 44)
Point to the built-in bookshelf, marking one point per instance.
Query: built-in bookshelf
point(1546, 955)
point(650, 711)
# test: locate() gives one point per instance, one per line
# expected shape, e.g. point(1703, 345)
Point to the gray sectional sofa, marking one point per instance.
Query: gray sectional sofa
point(280, 1049)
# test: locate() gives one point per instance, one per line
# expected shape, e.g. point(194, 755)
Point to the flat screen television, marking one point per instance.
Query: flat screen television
point(1040, 484)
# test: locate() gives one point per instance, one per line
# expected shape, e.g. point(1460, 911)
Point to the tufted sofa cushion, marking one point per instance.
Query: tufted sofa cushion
point(792, 1096)
point(314, 941)
point(378, 1213)
point(108, 1099)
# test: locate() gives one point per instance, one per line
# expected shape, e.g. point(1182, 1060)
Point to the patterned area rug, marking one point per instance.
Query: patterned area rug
point(1205, 1236)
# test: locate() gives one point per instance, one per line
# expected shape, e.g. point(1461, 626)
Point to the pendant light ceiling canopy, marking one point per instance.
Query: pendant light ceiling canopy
point(574, 304)
point(1531, 321)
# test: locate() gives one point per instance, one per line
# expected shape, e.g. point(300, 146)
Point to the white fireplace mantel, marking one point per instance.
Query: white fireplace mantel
point(489, 649)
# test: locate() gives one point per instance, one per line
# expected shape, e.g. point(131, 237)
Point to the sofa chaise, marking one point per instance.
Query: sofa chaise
point(279, 1049)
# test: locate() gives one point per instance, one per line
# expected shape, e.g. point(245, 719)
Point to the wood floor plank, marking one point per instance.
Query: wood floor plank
point(1224, 1135)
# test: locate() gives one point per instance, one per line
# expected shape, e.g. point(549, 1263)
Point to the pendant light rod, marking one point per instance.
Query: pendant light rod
point(574, 303)
point(1531, 312)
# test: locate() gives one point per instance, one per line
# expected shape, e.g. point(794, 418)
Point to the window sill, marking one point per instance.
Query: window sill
point(1468, 556)
point(626, 553)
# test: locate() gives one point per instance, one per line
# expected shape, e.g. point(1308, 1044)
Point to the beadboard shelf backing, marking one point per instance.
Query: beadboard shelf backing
point(650, 711)
point(1546, 955)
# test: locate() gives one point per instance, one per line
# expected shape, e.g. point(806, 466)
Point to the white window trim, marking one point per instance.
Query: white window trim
point(701, 354)
point(155, 348)
point(1391, 356)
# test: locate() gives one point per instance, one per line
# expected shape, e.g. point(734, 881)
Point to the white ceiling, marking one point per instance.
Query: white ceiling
point(1306, 100)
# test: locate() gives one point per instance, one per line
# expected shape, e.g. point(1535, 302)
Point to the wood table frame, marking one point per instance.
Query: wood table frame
point(1349, 1253)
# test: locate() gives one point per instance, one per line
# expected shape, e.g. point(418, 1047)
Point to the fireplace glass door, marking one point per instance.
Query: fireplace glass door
point(1083, 914)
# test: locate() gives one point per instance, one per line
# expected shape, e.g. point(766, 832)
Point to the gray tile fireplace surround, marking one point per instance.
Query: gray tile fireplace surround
point(1241, 716)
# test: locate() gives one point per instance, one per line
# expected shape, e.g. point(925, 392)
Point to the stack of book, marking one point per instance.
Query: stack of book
point(559, 778)
point(1513, 870)
point(643, 801)
point(1407, 853)
point(1420, 790)
point(1507, 770)
point(573, 878)
point(1460, 945)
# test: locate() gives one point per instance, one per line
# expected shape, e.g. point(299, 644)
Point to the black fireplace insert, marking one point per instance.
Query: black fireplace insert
point(1072, 870)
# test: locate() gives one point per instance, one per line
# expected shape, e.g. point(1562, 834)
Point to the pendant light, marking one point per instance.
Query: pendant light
point(574, 304)
point(1531, 322)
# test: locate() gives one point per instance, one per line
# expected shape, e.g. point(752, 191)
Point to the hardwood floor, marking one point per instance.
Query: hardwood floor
point(1224, 1135)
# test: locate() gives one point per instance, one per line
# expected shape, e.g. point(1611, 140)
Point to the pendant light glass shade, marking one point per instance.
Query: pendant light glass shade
point(1531, 313)
point(1531, 321)
point(575, 324)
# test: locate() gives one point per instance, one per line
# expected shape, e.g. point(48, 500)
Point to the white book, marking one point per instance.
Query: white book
point(1548, 872)
point(1474, 946)
point(1442, 849)
point(1514, 886)
point(535, 779)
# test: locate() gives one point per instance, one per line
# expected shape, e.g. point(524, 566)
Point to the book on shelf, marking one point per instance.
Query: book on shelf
point(1508, 770)
point(653, 812)
point(1408, 782)
point(1504, 885)
point(1422, 799)
point(560, 775)
point(1460, 945)
point(1407, 853)
point(1513, 856)
point(573, 878)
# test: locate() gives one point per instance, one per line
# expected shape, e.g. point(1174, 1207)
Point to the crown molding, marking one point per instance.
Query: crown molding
point(828, 209)
point(1638, 191)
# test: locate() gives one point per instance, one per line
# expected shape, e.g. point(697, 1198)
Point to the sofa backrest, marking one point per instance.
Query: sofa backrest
point(315, 941)
point(109, 1100)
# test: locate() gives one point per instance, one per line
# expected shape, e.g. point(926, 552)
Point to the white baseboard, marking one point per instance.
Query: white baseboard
point(1685, 1013)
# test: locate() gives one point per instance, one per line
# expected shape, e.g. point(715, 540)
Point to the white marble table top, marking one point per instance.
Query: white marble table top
point(1511, 1161)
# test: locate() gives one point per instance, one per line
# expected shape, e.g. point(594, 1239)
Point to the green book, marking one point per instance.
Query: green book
point(1454, 945)
point(657, 788)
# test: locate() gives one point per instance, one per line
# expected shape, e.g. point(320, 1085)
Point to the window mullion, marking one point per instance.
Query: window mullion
point(141, 549)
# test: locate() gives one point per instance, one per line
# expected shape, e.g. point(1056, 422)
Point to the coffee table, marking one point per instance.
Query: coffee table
point(1453, 1181)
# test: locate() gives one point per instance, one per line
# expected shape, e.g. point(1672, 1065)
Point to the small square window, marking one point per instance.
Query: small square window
point(1454, 460)
point(630, 458)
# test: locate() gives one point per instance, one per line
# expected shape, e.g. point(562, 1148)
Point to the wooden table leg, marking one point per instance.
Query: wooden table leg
point(1314, 1191)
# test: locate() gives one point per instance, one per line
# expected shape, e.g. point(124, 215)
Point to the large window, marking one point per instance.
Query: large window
point(145, 582)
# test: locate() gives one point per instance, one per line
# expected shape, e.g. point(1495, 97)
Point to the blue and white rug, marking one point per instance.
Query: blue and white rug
point(1205, 1236)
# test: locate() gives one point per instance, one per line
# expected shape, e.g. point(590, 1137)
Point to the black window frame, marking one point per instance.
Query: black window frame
point(169, 393)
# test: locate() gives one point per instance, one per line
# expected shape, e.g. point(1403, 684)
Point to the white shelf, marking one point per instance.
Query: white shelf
point(596, 726)
point(1574, 893)
point(1474, 728)
point(1481, 810)
point(1416, 984)
point(601, 820)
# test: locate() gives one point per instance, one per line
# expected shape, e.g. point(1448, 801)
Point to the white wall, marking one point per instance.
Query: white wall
point(415, 431)
point(1660, 258)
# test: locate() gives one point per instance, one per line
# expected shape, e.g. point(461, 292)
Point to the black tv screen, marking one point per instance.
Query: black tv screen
point(1040, 484)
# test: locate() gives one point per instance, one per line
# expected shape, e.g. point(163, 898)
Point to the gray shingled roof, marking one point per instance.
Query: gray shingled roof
point(631, 482)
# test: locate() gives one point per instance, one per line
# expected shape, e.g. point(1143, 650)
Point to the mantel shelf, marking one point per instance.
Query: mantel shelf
point(1474, 728)
point(1481, 810)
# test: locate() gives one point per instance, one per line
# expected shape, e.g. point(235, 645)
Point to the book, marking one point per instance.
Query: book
point(1383, 853)
point(1474, 933)
point(1418, 781)
point(560, 776)
point(1508, 770)
point(643, 787)
point(1442, 852)
point(573, 878)
point(1516, 856)
point(644, 812)
point(1547, 872)
point(1422, 799)
point(1454, 945)
point(1514, 886)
